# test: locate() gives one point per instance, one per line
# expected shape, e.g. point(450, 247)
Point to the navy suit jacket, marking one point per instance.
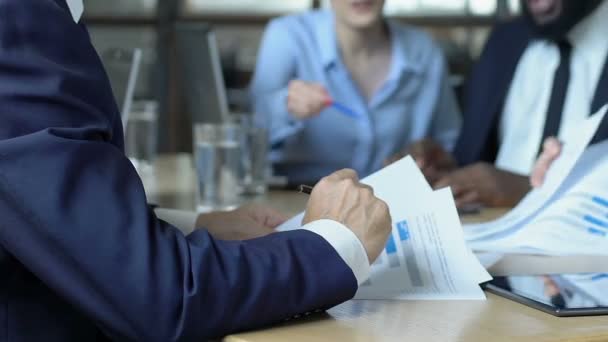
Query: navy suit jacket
point(82, 257)
point(487, 89)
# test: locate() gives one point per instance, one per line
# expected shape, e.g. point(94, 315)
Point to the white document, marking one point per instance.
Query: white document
point(426, 256)
point(574, 222)
point(383, 182)
point(567, 216)
point(488, 259)
point(573, 148)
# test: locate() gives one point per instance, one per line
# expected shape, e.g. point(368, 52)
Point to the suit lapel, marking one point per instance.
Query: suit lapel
point(487, 90)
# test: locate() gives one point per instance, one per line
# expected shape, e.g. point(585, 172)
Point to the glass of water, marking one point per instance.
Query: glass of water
point(217, 157)
point(254, 155)
point(141, 135)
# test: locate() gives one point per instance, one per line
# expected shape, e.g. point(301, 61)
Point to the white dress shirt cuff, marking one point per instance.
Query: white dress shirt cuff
point(346, 243)
point(183, 220)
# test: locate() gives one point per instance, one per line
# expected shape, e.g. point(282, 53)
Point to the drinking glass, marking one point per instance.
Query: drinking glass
point(254, 157)
point(217, 156)
point(141, 135)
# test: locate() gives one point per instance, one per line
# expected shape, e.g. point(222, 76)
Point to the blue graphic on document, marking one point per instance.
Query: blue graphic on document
point(391, 245)
point(404, 235)
point(596, 225)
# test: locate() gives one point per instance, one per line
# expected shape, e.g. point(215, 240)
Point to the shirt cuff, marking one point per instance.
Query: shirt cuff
point(346, 243)
point(183, 220)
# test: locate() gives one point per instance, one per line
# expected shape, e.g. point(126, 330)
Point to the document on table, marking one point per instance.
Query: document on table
point(426, 256)
point(569, 214)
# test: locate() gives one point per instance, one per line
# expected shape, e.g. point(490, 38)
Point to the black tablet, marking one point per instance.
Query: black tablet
point(564, 295)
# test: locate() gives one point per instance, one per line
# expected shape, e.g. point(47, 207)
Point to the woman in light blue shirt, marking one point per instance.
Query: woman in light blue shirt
point(392, 79)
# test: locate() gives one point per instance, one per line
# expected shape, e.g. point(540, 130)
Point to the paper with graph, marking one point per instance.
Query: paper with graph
point(573, 222)
point(426, 256)
point(567, 216)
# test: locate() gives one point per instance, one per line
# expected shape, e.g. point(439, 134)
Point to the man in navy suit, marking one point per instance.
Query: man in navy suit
point(83, 258)
point(537, 77)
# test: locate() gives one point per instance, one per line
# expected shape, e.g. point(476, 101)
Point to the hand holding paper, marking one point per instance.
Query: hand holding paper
point(425, 257)
point(567, 215)
point(340, 197)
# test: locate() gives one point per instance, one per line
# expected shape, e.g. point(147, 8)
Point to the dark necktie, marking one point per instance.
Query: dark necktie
point(558, 93)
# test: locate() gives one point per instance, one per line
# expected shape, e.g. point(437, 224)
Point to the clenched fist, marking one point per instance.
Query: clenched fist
point(342, 198)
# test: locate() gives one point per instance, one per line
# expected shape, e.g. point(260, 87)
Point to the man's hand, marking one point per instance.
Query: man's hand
point(431, 158)
point(340, 197)
point(306, 100)
point(482, 183)
point(552, 148)
point(248, 222)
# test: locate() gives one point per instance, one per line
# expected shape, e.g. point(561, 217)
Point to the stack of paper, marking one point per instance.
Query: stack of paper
point(426, 256)
point(567, 216)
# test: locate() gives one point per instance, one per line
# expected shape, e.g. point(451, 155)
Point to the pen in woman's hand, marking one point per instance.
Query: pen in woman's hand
point(305, 189)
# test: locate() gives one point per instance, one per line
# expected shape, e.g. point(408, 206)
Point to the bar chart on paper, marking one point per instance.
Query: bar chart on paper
point(596, 216)
point(582, 211)
point(573, 220)
point(399, 253)
point(577, 223)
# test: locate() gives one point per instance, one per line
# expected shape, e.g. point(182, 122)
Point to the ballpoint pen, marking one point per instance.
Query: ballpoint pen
point(342, 108)
point(345, 110)
point(305, 189)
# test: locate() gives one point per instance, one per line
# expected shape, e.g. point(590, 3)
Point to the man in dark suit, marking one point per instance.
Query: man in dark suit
point(537, 76)
point(83, 258)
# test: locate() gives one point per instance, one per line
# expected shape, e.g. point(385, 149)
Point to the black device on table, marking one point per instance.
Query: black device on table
point(565, 295)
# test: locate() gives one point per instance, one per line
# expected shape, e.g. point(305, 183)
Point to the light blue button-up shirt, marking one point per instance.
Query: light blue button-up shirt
point(414, 102)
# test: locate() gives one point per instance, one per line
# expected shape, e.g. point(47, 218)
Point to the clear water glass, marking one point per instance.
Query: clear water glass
point(141, 136)
point(254, 158)
point(217, 157)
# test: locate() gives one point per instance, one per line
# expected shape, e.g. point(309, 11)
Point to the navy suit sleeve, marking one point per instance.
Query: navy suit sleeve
point(73, 210)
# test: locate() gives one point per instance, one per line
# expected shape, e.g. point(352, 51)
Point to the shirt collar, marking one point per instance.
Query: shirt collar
point(328, 41)
point(330, 55)
point(76, 9)
point(403, 56)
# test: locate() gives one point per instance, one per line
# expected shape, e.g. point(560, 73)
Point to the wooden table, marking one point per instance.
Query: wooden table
point(172, 184)
point(496, 319)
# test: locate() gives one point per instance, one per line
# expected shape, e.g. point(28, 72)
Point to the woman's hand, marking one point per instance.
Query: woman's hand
point(306, 100)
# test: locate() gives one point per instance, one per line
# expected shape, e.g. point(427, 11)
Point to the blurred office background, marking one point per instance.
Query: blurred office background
point(460, 26)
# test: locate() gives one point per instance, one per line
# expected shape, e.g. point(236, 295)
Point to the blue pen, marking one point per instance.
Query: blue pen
point(345, 110)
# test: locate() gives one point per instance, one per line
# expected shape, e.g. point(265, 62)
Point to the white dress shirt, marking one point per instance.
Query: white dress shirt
point(523, 118)
point(76, 8)
point(342, 239)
